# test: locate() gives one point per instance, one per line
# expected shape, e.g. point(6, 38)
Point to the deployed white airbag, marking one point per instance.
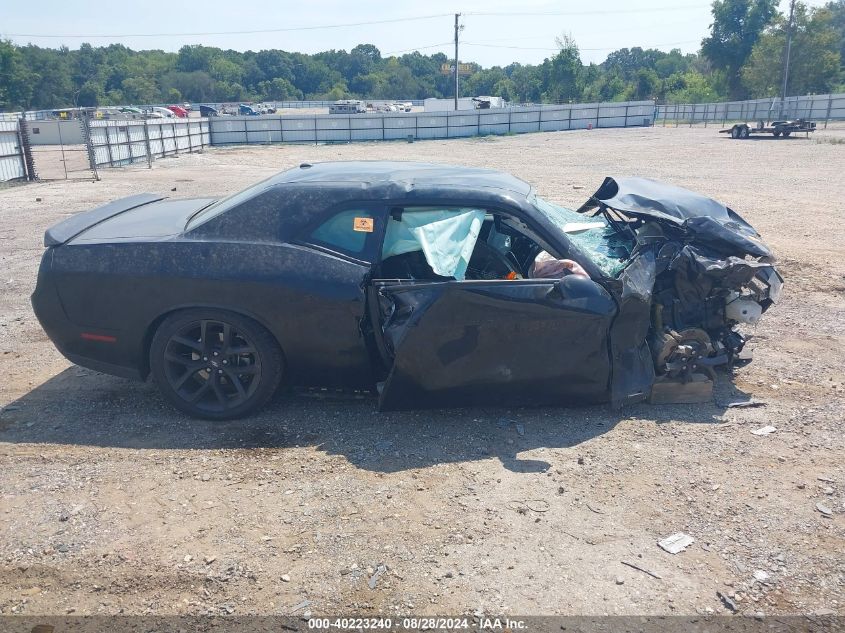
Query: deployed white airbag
point(446, 238)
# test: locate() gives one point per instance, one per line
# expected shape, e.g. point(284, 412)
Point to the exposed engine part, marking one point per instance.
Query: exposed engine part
point(679, 355)
point(742, 309)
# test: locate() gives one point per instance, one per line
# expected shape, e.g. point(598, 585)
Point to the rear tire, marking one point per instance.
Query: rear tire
point(735, 132)
point(743, 132)
point(776, 134)
point(215, 364)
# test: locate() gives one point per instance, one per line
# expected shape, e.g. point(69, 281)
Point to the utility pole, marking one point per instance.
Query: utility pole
point(786, 51)
point(457, 28)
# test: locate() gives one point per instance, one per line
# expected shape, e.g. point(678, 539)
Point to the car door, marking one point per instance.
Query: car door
point(529, 341)
point(336, 255)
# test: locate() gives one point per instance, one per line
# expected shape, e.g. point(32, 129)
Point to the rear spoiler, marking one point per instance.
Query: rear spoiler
point(66, 230)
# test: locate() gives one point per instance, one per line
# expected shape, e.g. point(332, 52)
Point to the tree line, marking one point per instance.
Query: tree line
point(740, 58)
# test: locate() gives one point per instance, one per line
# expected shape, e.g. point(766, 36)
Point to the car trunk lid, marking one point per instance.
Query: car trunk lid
point(142, 216)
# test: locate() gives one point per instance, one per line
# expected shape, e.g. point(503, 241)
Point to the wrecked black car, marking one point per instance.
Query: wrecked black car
point(432, 285)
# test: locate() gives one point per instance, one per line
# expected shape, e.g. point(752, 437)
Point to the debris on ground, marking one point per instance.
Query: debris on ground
point(642, 569)
point(730, 605)
point(533, 505)
point(745, 404)
point(765, 430)
point(760, 575)
point(824, 509)
point(676, 543)
point(374, 578)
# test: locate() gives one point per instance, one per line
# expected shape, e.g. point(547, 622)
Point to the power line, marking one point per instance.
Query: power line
point(281, 30)
point(418, 48)
point(591, 12)
point(541, 48)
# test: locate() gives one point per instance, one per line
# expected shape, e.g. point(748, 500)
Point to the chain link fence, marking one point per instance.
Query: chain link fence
point(327, 128)
point(818, 108)
point(117, 143)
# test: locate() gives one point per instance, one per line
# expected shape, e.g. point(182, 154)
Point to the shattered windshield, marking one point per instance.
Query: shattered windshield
point(592, 234)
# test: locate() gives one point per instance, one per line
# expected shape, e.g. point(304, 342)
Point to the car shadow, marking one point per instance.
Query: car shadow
point(84, 408)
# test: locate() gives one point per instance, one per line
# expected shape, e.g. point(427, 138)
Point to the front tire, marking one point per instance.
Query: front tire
point(215, 364)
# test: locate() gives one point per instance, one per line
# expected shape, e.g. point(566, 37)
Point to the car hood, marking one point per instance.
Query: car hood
point(703, 218)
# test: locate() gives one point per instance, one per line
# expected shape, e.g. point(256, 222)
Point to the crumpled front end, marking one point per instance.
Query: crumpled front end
point(713, 278)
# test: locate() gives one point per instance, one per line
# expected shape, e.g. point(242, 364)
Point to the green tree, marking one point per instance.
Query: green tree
point(736, 27)
point(278, 89)
point(15, 78)
point(562, 73)
point(815, 61)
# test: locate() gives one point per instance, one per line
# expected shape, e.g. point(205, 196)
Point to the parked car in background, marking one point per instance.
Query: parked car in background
point(133, 113)
point(163, 112)
point(206, 110)
point(432, 285)
point(247, 110)
point(179, 111)
point(187, 106)
point(263, 108)
point(110, 113)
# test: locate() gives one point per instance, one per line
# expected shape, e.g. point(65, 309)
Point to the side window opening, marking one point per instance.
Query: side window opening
point(430, 244)
point(351, 232)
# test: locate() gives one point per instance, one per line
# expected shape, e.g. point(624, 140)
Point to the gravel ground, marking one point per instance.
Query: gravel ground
point(110, 502)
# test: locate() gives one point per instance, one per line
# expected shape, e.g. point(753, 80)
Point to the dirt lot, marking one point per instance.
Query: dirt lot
point(110, 502)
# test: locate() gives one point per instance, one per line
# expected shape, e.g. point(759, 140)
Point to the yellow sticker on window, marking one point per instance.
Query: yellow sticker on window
point(365, 225)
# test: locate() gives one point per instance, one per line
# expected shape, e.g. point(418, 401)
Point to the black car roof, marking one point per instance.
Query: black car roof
point(406, 174)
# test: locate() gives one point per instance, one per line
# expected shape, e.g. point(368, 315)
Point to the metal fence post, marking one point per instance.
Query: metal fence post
point(147, 145)
point(175, 140)
point(510, 115)
point(827, 115)
point(626, 115)
point(706, 108)
point(26, 150)
point(108, 145)
point(382, 126)
point(89, 146)
point(315, 130)
point(692, 116)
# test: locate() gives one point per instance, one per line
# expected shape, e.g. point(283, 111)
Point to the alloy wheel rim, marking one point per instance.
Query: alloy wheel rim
point(212, 365)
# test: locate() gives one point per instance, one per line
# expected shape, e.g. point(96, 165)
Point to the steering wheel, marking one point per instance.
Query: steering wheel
point(488, 263)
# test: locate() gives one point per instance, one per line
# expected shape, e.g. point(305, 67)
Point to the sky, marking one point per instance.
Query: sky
point(494, 32)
